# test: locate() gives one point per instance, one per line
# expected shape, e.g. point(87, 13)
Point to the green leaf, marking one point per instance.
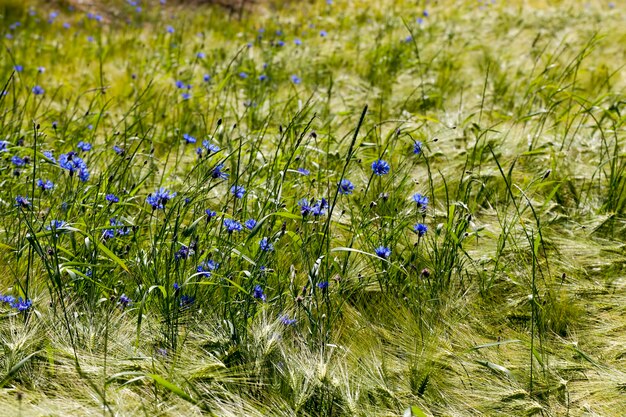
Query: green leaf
point(112, 256)
point(414, 411)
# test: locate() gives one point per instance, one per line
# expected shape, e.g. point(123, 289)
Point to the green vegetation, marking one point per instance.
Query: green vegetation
point(348, 209)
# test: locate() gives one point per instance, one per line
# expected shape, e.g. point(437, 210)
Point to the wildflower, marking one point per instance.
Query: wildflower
point(169, 29)
point(66, 25)
point(280, 43)
point(420, 229)
point(250, 223)
point(159, 199)
point(3, 145)
point(297, 42)
point(124, 301)
point(262, 77)
point(112, 198)
point(323, 33)
point(45, 185)
point(346, 187)
point(186, 96)
point(295, 79)
point(210, 214)
point(21, 304)
point(84, 146)
point(284, 319)
point(421, 200)
point(238, 191)
point(8, 299)
point(258, 293)
point(18, 68)
point(118, 150)
point(50, 156)
point(319, 208)
point(180, 84)
point(383, 252)
point(37, 90)
point(120, 228)
point(17, 161)
point(210, 147)
point(206, 267)
point(183, 253)
point(305, 207)
point(21, 201)
point(188, 138)
point(380, 167)
point(417, 147)
point(265, 245)
point(322, 285)
point(74, 163)
point(108, 234)
point(304, 171)
point(206, 78)
point(218, 173)
point(232, 225)
point(186, 300)
point(56, 225)
point(243, 75)
point(41, 70)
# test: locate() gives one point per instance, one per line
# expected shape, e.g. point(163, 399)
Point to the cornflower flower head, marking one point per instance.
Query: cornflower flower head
point(380, 167)
point(346, 187)
point(45, 185)
point(232, 226)
point(238, 191)
point(420, 229)
point(383, 252)
point(258, 293)
point(159, 199)
point(265, 245)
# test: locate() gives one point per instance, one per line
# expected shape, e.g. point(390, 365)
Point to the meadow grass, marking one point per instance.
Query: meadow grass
point(313, 209)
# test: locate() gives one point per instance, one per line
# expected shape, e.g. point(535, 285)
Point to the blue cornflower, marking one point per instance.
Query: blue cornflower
point(206, 78)
point(84, 146)
point(284, 319)
point(417, 147)
point(258, 293)
point(186, 96)
point(188, 138)
point(218, 173)
point(21, 201)
point(250, 223)
point(37, 90)
point(120, 228)
point(73, 163)
point(17, 161)
point(346, 187)
point(206, 267)
point(66, 25)
point(200, 55)
point(124, 301)
point(187, 300)
point(383, 252)
point(3, 145)
point(265, 245)
point(280, 43)
point(295, 79)
point(380, 167)
point(304, 171)
point(232, 225)
point(243, 75)
point(21, 304)
point(56, 225)
point(108, 234)
point(159, 199)
point(210, 147)
point(319, 208)
point(183, 253)
point(18, 68)
point(322, 285)
point(262, 77)
point(297, 42)
point(176, 286)
point(323, 33)
point(50, 156)
point(45, 185)
point(421, 200)
point(8, 299)
point(238, 191)
point(420, 229)
point(305, 207)
point(112, 198)
point(210, 214)
point(169, 29)
point(180, 84)
point(118, 150)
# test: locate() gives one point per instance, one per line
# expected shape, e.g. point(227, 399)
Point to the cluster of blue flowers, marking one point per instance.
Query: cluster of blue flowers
point(18, 304)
